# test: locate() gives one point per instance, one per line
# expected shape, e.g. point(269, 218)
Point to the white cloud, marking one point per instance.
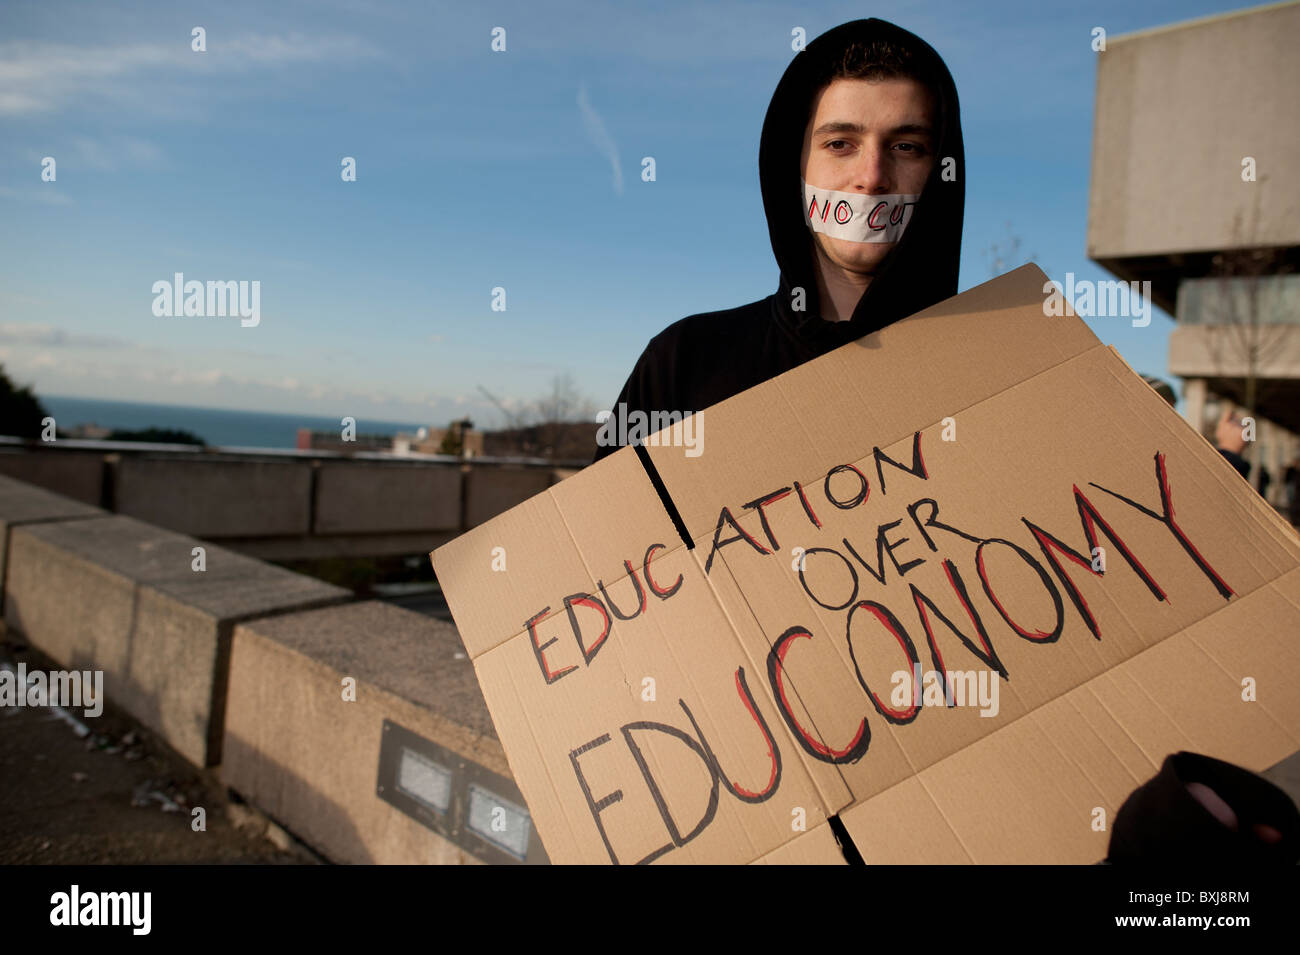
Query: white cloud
point(38, 77)
point(600, 137)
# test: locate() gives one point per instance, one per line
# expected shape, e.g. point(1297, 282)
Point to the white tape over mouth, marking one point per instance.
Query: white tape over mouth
point(856, 216)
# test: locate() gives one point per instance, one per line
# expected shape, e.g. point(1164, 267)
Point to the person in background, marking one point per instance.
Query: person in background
point(1230, 439)
point(1291, 479)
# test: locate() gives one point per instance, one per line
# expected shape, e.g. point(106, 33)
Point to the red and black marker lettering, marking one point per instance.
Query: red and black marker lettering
point(807, 509)
point(773, 751)
point(725, 519)
point(640, 595)
point(1166, 517)
point(864, 488)
point(759, 503)
point(931, 522)
point(892, 624)
point(597, 806)
point(1038, 636)
point(857, 747)
point(587, 600)
point(803, 579)
point(652, 784)
point(531, 625)
point(650, 581)
point(918, 462)
point(1047, 543)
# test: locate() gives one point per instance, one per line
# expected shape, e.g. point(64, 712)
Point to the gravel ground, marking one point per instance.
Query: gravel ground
point(108, 791)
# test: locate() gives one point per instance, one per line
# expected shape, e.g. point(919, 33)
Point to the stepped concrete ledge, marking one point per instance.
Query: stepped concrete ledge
point(114, 594)
point(309, 757)
point(23, 503)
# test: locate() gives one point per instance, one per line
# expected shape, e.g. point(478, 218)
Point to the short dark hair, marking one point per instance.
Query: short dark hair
point(878, 60)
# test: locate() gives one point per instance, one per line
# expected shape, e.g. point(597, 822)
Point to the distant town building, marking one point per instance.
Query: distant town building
point(569, 441)
point(450, 440)
point(87, 432)
point(1195, 160)
point(309, 440)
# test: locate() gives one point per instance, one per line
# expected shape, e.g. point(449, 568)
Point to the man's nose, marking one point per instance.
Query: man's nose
point(874, 173)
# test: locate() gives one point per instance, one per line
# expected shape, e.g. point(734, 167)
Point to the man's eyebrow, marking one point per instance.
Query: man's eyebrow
point(843, 126)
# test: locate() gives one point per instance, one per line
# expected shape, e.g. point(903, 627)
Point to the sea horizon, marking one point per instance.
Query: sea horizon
point(230, 427)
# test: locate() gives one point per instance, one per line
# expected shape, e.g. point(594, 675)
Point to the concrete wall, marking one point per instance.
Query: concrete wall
point(308, 756)
point(1216, 351)
point(369, 498)
point(1177, 109)
point(114, 594)
point(215, 498)
point(492, 491)
point(75, 474)
point(22, 503)
point(275, 507)
point(245, 665)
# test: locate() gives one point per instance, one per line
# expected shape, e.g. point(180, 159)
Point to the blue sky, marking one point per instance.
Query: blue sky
point(475, 169)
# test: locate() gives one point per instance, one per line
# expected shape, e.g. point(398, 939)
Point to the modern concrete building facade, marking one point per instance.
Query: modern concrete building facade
point(1196, 188)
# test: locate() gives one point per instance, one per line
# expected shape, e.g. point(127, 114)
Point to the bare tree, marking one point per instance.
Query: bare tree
point(515, 418)
point(554, 425)
point(563, 405)
point(1004, 255)
point(1236, 307)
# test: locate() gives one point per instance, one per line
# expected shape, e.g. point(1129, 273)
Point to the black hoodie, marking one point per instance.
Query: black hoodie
point(705, 358)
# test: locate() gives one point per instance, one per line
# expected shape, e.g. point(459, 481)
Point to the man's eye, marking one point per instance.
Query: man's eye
point(832, 144)
point(910, 147)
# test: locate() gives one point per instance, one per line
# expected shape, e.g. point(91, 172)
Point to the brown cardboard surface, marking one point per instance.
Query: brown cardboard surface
point(1087, 750)
point(817, 847)
point(947, 481)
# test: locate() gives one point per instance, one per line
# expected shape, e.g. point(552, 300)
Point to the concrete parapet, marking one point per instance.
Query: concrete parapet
point(369, 498)
point(493, 491)
point(75, 474)
point(117, 595)
point(305, 754)
point(214, 498)
point(23, 503)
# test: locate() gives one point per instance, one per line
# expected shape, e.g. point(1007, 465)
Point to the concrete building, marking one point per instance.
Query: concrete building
point(1195, 166)
point(430, 440)
point(309, 440)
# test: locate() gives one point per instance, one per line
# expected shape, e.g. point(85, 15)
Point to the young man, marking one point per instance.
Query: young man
point(862, 174)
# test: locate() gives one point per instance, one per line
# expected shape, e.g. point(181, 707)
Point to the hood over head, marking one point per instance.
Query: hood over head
point(921, 269)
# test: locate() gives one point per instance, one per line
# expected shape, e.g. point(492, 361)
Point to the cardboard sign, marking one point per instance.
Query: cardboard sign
point(963, 583)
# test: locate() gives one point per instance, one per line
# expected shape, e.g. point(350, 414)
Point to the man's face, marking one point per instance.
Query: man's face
point(875, 137)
